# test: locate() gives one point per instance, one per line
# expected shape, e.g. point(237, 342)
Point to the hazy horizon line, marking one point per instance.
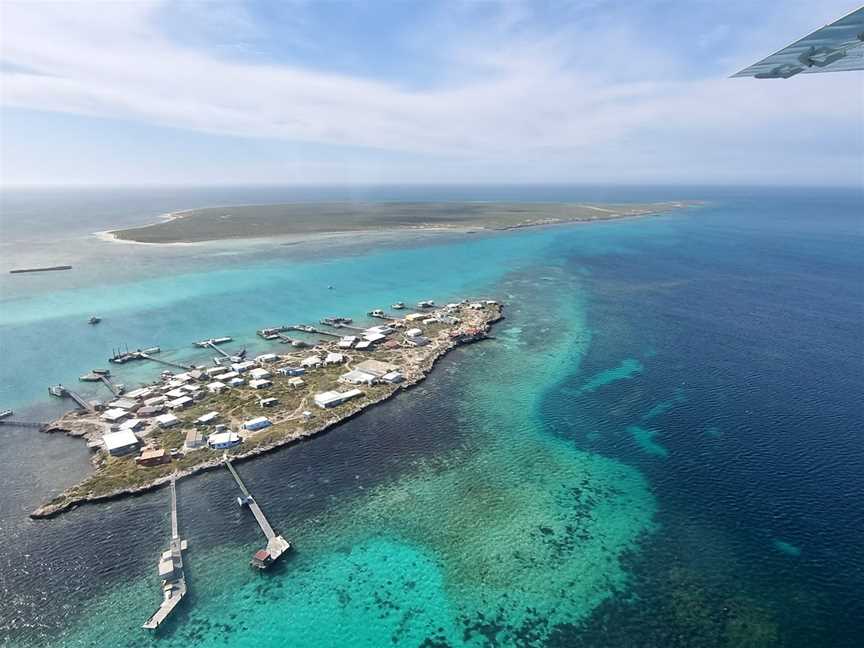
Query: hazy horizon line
point(359, 185)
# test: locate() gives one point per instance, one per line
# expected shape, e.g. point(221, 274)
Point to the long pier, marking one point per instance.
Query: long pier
point(209, 344)
point(276, 544)
point(312, 329)
point(120, 357)
point(278, 333)
point(62, 392)
point(24, 424)
point(171, 570)
point(272, 331)
point(79, 400)
point(105, 380)
point(176, 365)
point(350, 327)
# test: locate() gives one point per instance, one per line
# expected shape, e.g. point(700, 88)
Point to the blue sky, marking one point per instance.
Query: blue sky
point(413, 92)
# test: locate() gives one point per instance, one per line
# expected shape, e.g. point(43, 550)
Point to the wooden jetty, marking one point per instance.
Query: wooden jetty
point(117, 390)
point(278, 333)
point(120, 357)
point(64, 392)
point(349, 327)
point(311, 329)
point(211, 344)
point(103, 377)
point(170, 570)
point(272, 333)
point(276, 544)
point(146, 354)
point(176, 365)
point(24, 424)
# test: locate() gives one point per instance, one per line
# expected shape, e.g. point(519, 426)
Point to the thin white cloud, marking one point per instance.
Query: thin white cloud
point(537, 95)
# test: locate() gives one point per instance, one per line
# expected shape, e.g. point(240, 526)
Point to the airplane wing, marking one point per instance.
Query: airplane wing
point(833, 48)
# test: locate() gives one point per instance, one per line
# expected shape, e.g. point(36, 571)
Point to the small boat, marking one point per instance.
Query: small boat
point(376, 313)
point(426, 303)
point(94, 320)
point(398, 306)
point(6, 413)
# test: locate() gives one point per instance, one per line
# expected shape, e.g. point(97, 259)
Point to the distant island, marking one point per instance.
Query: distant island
point(261, 221)
point(40, 269)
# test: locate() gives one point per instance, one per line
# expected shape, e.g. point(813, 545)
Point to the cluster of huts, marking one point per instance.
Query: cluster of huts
point(150, 408)
point(143, 410)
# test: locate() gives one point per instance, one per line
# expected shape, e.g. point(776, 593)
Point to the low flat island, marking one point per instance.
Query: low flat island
point(261, 221)
point(184, 422)
point(40, 269)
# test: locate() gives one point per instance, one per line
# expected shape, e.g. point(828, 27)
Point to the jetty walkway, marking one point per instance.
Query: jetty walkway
point(176, 365)
point(105, 380)
point(24, 424)
point(170, 570)
point(276, 544)
point(210, 344)
point(64, 392)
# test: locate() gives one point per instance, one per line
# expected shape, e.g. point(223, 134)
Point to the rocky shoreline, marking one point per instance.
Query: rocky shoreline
point(67, 501)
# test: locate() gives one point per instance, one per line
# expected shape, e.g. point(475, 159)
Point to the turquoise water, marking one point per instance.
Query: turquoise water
point(478, 542)
point(650, 450)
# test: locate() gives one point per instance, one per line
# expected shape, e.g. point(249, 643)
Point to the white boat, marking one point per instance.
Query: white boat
point(397, 305)
point(6, 413)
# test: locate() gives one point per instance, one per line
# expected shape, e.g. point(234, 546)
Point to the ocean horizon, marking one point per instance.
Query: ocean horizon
point(661, 445)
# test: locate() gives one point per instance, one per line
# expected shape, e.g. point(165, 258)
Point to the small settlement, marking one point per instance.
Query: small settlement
point(186, 420)
point(201, 417)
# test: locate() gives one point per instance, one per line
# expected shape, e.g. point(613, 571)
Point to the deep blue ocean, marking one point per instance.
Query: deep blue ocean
point(663, 445)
